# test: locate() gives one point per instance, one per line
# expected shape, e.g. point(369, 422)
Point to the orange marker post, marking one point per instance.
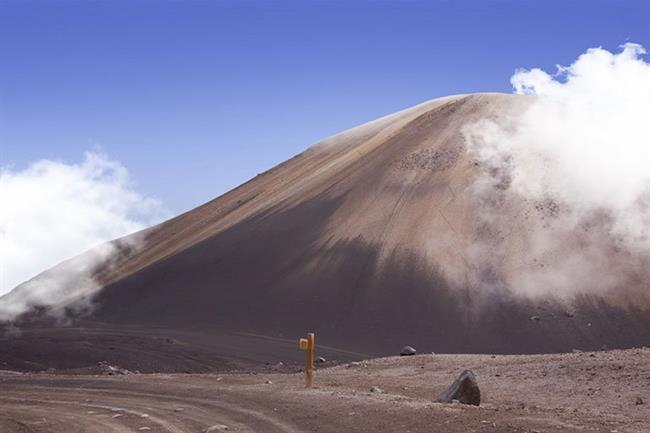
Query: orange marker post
point(308, 345)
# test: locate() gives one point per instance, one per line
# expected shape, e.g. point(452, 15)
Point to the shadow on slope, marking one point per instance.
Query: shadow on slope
point(245, 295)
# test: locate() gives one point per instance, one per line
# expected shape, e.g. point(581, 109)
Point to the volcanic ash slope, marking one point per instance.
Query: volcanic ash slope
point(376, 238)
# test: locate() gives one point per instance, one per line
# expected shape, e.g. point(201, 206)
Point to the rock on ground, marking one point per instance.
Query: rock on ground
point(464, 389)
point(408, 351)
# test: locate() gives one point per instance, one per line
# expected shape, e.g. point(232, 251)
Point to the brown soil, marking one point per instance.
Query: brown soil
point(576, 392)
point(363, 238)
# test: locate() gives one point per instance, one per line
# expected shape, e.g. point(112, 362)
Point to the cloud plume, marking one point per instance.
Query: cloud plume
point(574, 168)
point(52, 211)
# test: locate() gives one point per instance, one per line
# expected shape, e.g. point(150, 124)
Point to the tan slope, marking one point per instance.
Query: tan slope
point(310, 173)
point(369, 238)
point(404, 179)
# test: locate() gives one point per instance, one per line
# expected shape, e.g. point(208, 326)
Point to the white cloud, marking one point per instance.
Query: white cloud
point(52, 211)
point(591, 122)
point(582, 148)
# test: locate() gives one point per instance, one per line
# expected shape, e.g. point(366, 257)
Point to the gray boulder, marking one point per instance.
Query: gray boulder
point(464, 389)
point(407, 351)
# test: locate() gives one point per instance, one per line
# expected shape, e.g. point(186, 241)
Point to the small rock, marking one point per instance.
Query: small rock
point(111, 370)
point(407, 351)
point(638, 401)
point(376, 389)
point(216, 427)
point(320, 360)
point(464, 389)
point(268, 382)
point(534, 318)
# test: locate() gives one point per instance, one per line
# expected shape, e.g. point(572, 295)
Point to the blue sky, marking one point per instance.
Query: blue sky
point(196, 97)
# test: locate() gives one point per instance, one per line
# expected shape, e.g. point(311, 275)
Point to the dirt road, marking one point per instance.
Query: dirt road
point(600, 391)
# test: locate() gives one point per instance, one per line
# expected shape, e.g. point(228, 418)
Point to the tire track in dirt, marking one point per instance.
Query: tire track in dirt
point(128, 411)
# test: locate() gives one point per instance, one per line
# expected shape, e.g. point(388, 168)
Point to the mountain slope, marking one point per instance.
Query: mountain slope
point(364, 239)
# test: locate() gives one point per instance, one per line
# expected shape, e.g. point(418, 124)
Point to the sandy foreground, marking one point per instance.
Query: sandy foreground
point(607, 391)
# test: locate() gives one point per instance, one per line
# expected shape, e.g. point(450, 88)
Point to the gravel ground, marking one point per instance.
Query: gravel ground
point(606, 391)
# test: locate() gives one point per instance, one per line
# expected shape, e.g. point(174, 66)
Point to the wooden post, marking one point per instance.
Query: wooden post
point(308, 345)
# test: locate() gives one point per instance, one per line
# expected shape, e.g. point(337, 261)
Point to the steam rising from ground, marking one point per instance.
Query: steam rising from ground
point(574, 167)
point(52, 211)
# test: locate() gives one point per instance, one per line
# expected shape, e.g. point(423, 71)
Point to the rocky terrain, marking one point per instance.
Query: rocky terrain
point(605, 391)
